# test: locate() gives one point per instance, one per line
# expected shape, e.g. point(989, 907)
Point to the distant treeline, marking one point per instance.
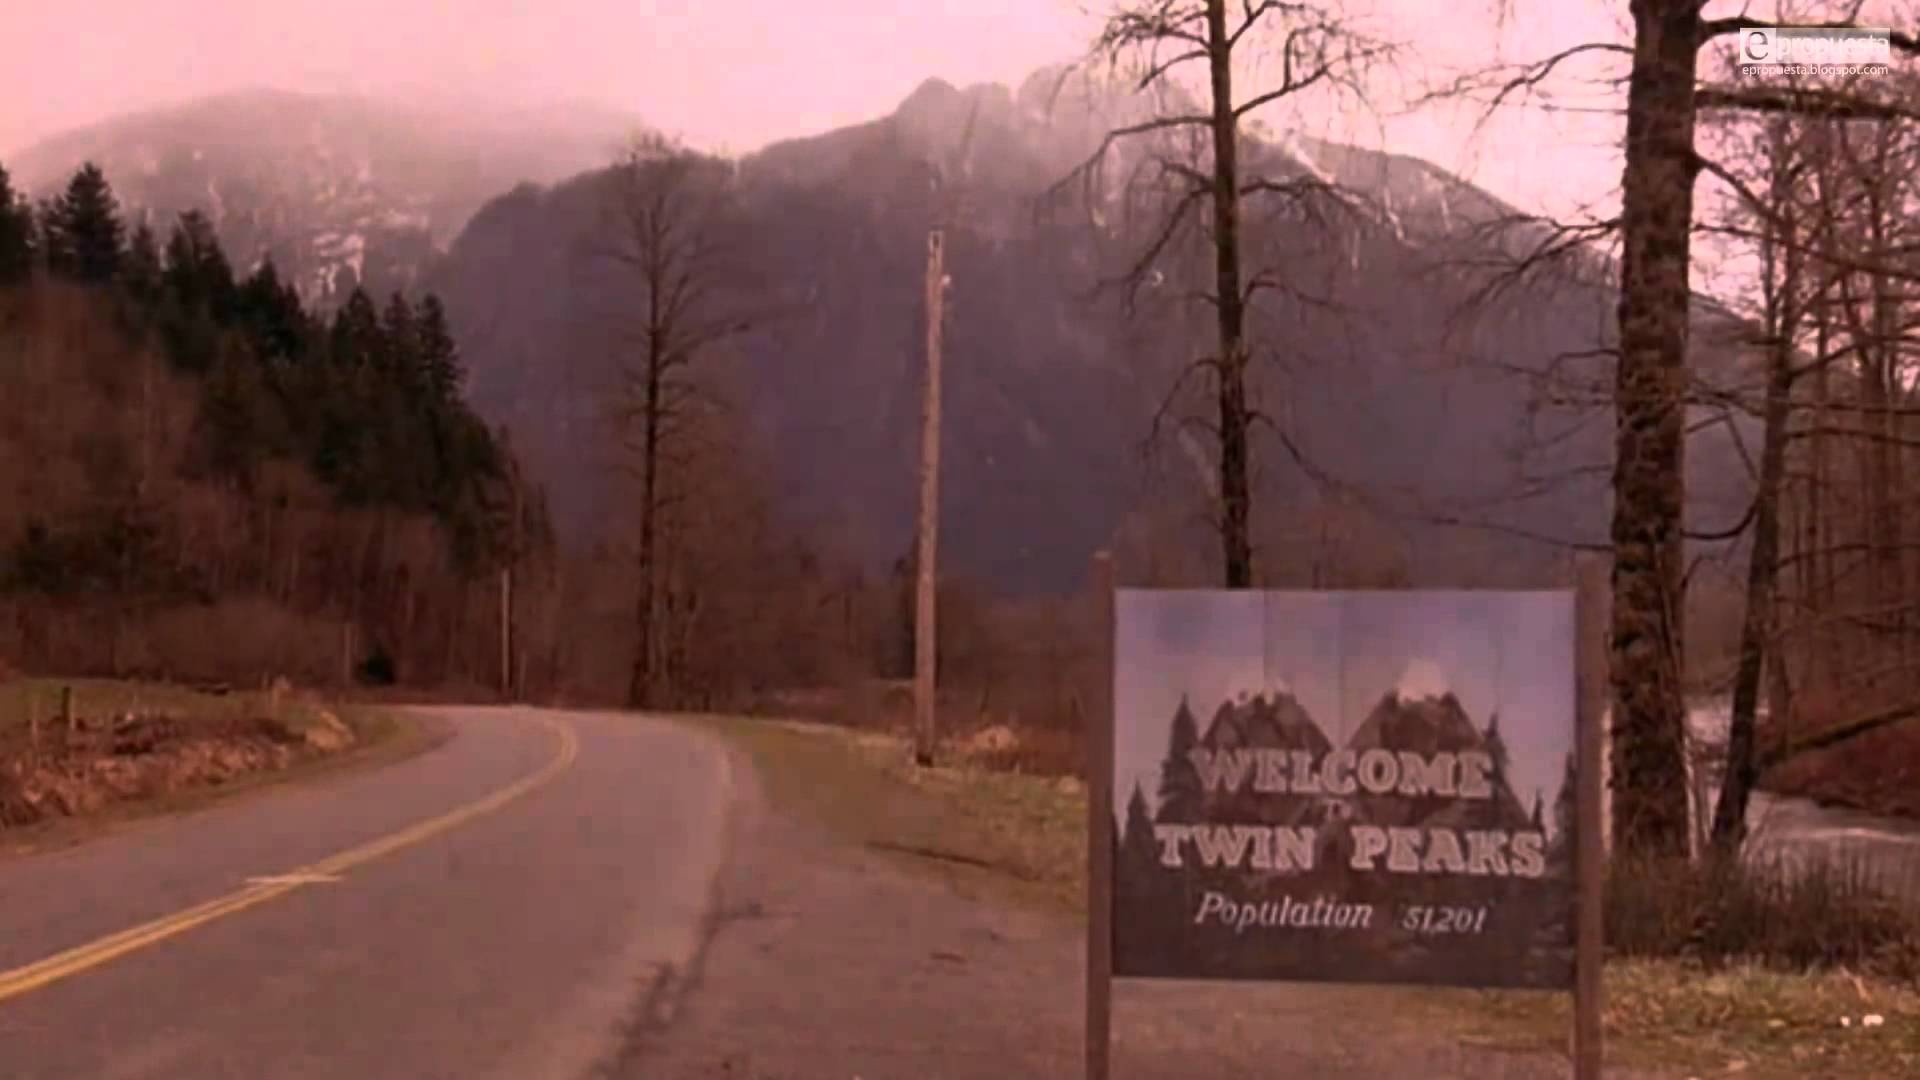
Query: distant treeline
point(201, 477)
point(175, 435)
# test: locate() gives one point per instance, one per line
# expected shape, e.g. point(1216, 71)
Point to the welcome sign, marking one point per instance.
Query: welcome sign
point(1344, 786)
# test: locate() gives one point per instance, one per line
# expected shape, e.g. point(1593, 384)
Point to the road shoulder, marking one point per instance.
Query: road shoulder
point(826, 958)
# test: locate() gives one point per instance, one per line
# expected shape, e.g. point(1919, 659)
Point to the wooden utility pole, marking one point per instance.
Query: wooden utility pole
point(507, 683)
point(924, 621)
point(506, 632)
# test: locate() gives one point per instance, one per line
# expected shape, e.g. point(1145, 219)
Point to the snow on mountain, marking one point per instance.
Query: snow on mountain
point(1422, 679)
point(1382, 387)
point(1291, 144)
point(338, 191)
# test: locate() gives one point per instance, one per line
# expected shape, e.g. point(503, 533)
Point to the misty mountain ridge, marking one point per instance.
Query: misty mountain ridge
point(1404, 418)
point(1405, 421)
point(339, 190)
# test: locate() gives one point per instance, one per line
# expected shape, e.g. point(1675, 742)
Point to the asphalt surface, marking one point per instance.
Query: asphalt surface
point(540, 872)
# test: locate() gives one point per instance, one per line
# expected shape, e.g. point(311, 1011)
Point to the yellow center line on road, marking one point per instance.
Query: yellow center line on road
point(22, 980)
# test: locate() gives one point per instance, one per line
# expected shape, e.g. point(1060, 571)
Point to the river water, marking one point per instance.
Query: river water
point(1793, 831)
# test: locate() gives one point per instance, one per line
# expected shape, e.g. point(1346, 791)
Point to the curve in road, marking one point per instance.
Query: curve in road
point(494, 908)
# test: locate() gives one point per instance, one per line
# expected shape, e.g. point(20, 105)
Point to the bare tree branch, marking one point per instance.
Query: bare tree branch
point(1801, 101)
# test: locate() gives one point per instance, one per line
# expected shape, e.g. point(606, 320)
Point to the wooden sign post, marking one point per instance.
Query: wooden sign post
point(1590, 607)
point(1399, 788)
point(1099, 743)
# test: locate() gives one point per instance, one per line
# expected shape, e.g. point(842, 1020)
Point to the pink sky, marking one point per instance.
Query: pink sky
point(729, 75)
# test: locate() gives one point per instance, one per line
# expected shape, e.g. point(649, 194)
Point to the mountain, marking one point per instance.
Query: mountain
point(1265, 722)
point(1431, 724)
point(1276, 722)
point(339, 190)
point(1525, 942)
point(1406, 421)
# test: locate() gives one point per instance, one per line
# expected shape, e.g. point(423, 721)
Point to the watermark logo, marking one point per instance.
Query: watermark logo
point(1794, 50)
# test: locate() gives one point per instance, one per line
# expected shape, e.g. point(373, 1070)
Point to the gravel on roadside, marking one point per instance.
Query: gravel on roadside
point(829, 962)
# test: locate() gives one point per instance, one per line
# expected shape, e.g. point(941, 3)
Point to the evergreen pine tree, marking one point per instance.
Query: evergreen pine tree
point(1136, 836)
point(234, 410)
point(356, 331)
point(141, 274)
point(196, 293)
point(272, 314)
point(16, 233)
point(91, 239)
point(1564, 812)
point(1180, 790)
point(1136, 871)
point(198, 274)
point(439, 356)
point(1565, 818)
point(411, 419)
point(1497, 747)
point(50, 250)
point(400, 336)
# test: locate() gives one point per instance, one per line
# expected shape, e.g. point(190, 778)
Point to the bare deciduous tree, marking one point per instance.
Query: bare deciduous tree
point(1665, 96)
point(1194, 167)
point(1784, 165)
point(674, 232)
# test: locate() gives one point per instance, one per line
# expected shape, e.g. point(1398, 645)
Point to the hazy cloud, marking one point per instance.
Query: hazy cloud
point(732, 75)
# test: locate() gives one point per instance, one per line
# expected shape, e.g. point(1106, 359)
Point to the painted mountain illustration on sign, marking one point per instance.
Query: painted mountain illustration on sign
point(1420, 715)
point(1423, 716)
point(1254, 783)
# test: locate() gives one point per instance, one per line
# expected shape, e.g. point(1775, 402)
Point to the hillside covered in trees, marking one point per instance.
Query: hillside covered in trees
point(204, 478)
point(341, 191)
point(200, 477)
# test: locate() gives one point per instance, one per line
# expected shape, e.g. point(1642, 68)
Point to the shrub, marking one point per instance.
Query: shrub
point(377, 669)
point(1816, 915)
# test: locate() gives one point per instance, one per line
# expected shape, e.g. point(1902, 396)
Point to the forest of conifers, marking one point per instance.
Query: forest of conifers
point(204, 479)
point(201, 477)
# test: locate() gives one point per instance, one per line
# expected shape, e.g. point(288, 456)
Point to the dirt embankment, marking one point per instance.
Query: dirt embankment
point(1878, 773)
point(58, 769)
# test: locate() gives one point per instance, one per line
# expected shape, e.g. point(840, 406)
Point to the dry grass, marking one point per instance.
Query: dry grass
point(1023, 835)
point(1029, 831)
point(23, 699)
point(1745, 1021)
point(380, 736)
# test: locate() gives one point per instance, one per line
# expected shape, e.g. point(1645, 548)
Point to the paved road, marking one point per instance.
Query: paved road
point(496, 908)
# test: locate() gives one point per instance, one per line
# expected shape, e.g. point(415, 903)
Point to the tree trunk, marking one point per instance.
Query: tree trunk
point(640, 685)
point(1763, 567)
point(1235, 499)
point(1824, 649)
point(1646, 651)
point(1886, 398)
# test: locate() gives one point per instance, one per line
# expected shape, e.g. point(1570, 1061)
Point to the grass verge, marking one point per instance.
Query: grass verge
point(1743, 1021)
point(381, 736)
point(1029, 833)
point(1020, 836)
